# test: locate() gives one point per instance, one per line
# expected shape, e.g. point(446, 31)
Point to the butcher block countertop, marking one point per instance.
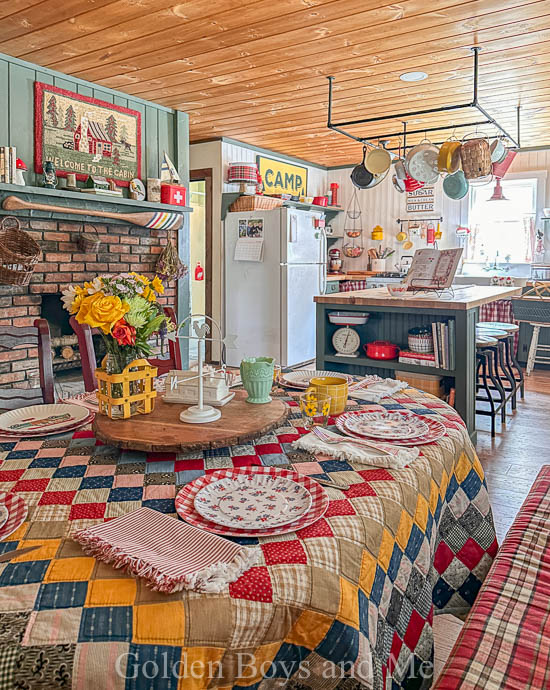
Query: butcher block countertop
point(465, 297)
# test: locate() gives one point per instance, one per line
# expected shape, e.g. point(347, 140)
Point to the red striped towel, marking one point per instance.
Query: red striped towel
point(171, 555)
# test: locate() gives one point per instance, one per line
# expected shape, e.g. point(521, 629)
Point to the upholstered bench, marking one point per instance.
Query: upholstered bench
point(505, 642)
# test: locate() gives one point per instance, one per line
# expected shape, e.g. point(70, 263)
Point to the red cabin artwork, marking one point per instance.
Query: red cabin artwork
point(90, 137)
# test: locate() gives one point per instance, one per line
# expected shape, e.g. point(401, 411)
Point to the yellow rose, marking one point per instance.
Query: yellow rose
point(75, 305)
point(102, 312)
point(148, 294)
point(157, 285)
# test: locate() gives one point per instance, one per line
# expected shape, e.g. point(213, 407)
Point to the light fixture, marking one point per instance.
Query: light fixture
point(498, 193)
point(413, 76)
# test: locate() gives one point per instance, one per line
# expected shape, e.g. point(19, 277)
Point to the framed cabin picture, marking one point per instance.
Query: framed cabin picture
point(85, 136)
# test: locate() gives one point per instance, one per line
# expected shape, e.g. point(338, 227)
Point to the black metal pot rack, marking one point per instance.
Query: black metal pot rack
point(369, 141)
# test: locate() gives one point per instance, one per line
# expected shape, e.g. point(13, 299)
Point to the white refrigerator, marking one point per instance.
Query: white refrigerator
point(269, 306)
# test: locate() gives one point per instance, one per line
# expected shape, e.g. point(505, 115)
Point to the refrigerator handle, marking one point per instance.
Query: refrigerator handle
point(323, 261)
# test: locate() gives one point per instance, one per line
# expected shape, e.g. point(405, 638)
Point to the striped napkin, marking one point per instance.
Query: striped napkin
point(169, 554)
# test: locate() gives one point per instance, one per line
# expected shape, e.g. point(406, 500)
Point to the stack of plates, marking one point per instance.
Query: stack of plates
point(300, 379)
point(43, 420)
point(252, 502)
point(13, 512)
point(401, 428)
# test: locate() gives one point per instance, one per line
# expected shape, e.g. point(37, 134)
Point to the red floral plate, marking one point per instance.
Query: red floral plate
point(436, 429)
point(185, 502)
point(17, 512)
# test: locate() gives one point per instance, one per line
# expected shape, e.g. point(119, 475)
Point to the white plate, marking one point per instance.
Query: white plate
point(45, 418)
point(3, 515)
point(253, 501)
point(386, 425)
point(344, 318)
point(301, 379)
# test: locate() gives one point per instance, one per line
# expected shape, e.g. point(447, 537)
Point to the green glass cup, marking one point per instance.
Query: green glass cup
point(257, 378)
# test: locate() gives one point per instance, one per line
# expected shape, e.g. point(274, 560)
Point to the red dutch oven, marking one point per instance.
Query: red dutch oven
point(381, 349)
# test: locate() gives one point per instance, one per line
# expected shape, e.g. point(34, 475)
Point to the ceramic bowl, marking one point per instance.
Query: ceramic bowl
point(456, 185)
point(498, 150)
point(396, 289)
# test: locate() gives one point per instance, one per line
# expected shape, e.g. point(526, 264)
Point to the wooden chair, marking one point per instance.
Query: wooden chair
point(88, 357)
point(14, 337)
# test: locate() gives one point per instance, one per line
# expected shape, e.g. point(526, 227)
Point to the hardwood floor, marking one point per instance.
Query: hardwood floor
point(511, 462)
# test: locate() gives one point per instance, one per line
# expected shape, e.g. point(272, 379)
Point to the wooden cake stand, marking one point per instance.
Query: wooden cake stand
point(161, 430)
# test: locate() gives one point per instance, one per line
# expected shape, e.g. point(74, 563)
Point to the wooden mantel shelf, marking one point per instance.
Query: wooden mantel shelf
point(96, 202)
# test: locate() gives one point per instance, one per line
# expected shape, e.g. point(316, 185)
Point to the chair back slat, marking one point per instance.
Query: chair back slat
point(39, 334)
point(12, 398)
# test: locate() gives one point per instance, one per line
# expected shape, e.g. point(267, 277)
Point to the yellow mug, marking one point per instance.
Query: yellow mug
point(334, 386)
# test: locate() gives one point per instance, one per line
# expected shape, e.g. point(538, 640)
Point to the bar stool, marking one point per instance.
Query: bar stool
point(534, 358)
point(486, 358)
point(510, 353)
point(503, 373)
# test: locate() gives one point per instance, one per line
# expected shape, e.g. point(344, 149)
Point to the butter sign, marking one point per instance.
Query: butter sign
point(279, 177)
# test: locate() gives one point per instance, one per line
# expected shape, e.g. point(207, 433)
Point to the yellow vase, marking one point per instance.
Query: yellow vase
point(334, 386)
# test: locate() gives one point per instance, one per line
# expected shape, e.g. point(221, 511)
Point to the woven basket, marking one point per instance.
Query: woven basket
point(475, 155)
point(256, 202)
point(89, 243)
point(19, 253)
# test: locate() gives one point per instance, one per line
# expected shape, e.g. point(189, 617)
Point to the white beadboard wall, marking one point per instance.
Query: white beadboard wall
point(233, 153)
point(383, 205)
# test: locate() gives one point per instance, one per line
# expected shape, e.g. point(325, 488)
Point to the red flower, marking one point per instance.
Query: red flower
point(123, 333)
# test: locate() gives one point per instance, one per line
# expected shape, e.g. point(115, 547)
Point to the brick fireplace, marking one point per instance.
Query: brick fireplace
point(123, 248)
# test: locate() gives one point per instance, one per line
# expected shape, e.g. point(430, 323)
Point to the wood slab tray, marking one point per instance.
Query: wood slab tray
point(161, 430)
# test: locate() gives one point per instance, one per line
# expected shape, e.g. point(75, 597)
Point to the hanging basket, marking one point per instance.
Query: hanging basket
point(19, 253)
point(132, 392)
point(88, 243)
point(475, 155)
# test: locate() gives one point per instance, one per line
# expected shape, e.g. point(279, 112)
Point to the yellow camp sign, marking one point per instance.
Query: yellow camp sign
point(279, 177)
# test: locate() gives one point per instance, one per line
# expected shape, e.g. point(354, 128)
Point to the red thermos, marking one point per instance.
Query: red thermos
point(430, 234)
point(334, 190)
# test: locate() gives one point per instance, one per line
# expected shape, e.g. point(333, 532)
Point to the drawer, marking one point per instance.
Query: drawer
point(332, 287)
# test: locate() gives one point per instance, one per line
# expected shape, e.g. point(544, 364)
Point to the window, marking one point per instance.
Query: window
point(503, 231)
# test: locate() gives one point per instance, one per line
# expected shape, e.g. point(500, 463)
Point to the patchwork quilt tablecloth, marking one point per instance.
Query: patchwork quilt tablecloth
point(347, 602)
point(505, 643)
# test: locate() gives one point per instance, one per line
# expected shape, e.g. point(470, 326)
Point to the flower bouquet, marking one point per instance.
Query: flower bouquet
point(124, 308)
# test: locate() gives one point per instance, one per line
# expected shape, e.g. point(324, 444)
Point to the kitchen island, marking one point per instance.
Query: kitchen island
point(392, 317)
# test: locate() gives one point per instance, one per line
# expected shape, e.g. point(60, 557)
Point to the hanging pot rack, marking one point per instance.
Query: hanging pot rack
point(369, 141)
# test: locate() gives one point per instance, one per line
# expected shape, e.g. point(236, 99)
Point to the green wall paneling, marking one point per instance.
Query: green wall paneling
point(162, 129)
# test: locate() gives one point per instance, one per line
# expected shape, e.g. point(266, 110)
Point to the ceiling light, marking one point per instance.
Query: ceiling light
point(413, 76)
point(498, 193)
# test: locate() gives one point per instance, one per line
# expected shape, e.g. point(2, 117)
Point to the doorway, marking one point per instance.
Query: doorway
point(200, 193)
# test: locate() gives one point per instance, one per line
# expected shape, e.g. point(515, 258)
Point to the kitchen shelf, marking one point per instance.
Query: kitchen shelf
point(330, 211)
point(95, 202)
point(389, 364)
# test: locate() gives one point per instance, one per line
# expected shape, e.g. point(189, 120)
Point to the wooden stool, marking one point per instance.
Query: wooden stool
point(534, 358)
point(487, 365)
point(511, 357)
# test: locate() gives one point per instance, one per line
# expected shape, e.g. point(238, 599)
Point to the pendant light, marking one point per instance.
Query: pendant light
point(498, 193)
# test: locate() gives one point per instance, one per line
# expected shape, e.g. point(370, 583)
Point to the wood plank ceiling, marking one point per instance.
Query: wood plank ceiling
point(256, 70)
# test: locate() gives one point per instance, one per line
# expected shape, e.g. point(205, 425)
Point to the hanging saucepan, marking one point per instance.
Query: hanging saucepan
point(377, 179)
point(360, 176)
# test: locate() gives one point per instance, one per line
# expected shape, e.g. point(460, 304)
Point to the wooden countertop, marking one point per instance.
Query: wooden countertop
point(351, 276)
point(465, 297)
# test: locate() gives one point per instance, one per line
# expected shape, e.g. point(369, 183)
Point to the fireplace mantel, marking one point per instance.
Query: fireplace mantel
point(63, 197)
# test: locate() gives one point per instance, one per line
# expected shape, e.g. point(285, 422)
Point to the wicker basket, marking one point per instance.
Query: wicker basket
point(87, 242)
point(19, 253)
point(476, 158)
point(256, 202)
point(535, 309)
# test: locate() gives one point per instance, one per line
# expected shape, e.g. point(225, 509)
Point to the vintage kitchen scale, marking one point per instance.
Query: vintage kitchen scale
point(346, 340)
